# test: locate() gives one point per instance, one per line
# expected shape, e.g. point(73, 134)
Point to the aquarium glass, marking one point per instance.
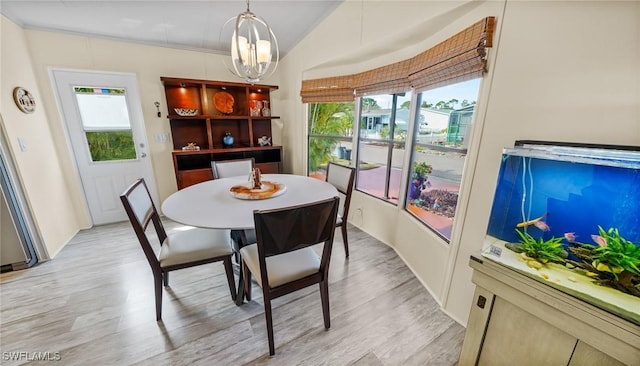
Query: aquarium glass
point(570, 216)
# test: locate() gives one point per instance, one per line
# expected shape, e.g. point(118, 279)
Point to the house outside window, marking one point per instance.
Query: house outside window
point(381, 143)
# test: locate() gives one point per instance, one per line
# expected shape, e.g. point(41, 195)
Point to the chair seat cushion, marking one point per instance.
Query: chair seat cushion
point(339, 220)
point(194, 245)
point(282, 268)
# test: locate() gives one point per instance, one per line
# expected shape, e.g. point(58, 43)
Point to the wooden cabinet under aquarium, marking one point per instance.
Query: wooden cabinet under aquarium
point(558, 277)
point(203, 112)
point(518, 320)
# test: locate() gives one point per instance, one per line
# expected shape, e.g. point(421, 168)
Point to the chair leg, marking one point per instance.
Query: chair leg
point(157, 282)
point(324, 296)
point(269, 319)
point(165, 277)
point(232, 282)
point(247, 281)
point(343, 228)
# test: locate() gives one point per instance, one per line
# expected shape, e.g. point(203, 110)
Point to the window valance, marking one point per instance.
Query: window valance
point(460, 57)
point(333, 89)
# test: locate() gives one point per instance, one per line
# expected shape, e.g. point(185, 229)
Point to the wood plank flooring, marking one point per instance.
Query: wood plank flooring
point(93, 305)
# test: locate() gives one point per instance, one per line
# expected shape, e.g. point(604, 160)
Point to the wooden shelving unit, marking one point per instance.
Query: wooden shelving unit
point(207, 128)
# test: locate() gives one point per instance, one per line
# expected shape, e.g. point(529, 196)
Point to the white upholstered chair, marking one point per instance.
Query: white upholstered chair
point(342, 178)
point(282, 259)
point(232, 168)
point(184, 249)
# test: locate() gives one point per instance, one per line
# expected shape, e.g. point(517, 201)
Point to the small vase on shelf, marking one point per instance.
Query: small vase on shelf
point(255, 108)
point(266, 111)
point(227, 140)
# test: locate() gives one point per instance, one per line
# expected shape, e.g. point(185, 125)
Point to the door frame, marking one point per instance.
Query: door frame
point(151, 183)
point(19, 209)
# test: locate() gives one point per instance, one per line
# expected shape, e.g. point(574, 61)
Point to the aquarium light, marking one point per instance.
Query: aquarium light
point(587, 155)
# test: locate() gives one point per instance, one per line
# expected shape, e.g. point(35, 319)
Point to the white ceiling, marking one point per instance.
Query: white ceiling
point(171, 23)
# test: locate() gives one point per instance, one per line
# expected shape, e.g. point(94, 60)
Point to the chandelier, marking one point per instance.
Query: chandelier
point(253, 47)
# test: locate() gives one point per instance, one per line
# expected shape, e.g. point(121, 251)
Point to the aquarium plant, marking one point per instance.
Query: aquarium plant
point(615, 260)
point(544, 251)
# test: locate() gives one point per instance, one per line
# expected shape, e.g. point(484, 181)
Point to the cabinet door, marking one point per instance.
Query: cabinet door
point(269, 168)
point(188, 178)
point(585, 355)
point(515, 337)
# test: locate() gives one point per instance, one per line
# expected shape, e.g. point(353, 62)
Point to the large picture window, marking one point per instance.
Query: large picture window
point(441, 138)
point(330, 136)
point(381, 143)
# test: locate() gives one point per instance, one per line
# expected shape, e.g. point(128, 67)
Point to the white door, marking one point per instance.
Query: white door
point(104, 122)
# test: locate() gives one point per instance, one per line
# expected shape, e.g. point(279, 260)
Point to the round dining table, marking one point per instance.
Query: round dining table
point(211, 204)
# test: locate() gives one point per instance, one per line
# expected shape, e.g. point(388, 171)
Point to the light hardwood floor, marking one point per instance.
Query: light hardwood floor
point(93, 304)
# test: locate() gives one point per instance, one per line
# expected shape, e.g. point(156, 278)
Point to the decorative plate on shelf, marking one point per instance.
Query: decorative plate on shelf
point(223, 102)
point(268, 190)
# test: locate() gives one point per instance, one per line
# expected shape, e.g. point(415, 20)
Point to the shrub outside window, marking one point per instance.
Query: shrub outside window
point(441, 138)
point(330, 136)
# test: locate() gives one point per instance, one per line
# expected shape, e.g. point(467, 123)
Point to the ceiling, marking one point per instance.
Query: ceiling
point(184, 24)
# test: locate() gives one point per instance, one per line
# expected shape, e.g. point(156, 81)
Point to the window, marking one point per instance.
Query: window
point(381, 143)
point(439, 151)
point(106, 124)
point(330, 136)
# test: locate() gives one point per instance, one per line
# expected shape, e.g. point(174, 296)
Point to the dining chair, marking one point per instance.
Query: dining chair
point(183, 249)
point(232, 168)
point(282, 259)
point(342, 177)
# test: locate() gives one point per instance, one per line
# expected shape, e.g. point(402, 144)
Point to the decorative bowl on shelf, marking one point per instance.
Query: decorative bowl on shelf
point(185, 112)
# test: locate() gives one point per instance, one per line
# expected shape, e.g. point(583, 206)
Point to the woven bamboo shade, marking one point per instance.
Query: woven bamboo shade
point(333, 89)
point(459, 58)
point(387, 79)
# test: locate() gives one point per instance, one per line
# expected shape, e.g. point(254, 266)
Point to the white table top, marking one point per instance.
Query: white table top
point(210, 204)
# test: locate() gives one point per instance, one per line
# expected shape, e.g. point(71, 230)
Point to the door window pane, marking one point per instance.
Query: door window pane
point(105, 120)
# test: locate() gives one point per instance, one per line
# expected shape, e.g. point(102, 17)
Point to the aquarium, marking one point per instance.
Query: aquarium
point(569, 216)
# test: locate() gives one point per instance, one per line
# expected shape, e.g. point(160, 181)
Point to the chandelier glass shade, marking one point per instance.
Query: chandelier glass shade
point(254, 48)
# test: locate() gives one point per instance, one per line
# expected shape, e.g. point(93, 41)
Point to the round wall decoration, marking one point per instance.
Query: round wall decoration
point(24, 100)
point(223, 102)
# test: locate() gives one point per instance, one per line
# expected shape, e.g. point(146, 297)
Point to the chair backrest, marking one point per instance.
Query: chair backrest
point(232, 168)
point(342, 178)
point(140, 209)
point(287, 229)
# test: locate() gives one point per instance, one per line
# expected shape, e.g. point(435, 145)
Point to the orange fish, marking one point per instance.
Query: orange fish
point(533, 222)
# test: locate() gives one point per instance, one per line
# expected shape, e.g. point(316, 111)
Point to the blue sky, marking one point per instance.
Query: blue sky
point(466, 90)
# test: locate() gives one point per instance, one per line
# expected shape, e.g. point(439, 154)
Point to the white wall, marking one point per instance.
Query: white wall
point(45, 185)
